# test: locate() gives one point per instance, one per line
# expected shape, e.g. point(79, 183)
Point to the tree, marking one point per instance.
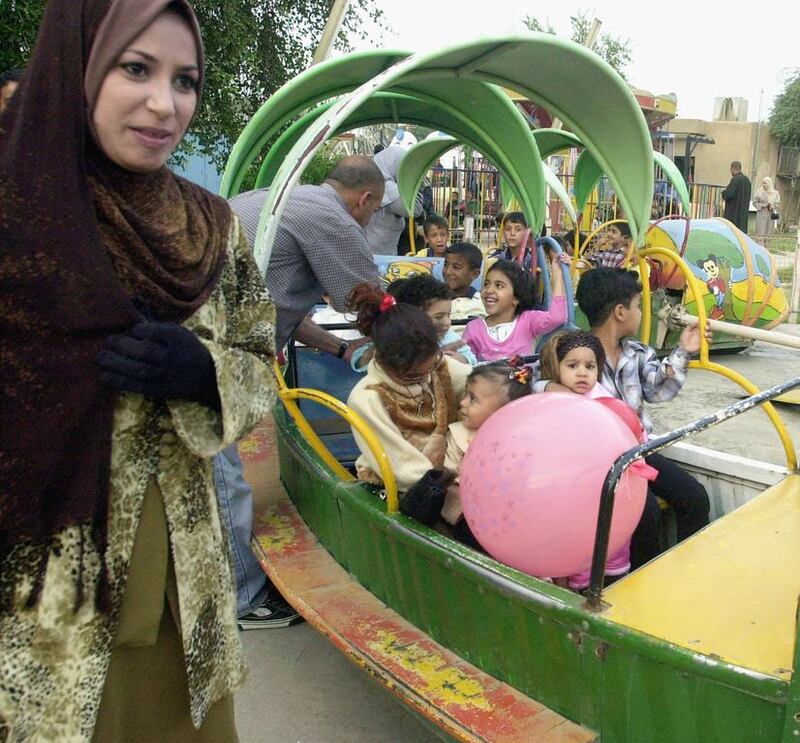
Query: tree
point(252, 48)
point(784, 120)
point(615, 50)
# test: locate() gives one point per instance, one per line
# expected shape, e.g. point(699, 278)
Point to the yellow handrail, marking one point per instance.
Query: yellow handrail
point(289, 395)
point(696, 290)
point(647, 310)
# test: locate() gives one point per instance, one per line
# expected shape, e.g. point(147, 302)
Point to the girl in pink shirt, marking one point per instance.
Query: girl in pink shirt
point(510, 328)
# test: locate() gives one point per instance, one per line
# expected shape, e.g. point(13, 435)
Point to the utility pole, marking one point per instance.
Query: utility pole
point(332, 26)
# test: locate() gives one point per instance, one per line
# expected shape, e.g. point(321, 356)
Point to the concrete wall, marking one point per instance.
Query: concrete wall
point(734, 141)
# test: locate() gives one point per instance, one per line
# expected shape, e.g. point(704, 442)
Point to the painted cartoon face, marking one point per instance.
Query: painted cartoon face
point(711, 268)
point(404, 270)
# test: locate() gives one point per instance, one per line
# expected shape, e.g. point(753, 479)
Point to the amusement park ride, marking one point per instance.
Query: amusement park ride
point(698, 645)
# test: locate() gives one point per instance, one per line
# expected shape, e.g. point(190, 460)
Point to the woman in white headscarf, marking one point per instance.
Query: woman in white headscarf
point(766, 201)
point(383, 230)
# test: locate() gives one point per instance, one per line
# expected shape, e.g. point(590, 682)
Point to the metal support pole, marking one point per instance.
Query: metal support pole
point(332, 26)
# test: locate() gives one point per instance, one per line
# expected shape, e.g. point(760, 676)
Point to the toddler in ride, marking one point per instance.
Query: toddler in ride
point(489, 388)
point(511, 326)
point(573, 362)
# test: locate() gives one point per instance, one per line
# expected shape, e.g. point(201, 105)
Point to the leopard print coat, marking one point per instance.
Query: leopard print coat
point(53, 660)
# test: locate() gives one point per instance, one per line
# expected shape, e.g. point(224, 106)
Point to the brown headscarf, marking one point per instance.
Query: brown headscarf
point(79, 239)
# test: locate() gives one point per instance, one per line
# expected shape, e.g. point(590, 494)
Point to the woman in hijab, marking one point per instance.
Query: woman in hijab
point(766, 201)
point(137, 343)
point(383, 230)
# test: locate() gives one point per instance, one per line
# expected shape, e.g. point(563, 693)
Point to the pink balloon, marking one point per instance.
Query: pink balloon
point(626, 412)
point(531, 482)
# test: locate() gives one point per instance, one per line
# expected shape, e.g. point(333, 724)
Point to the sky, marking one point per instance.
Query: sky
point(697, 49)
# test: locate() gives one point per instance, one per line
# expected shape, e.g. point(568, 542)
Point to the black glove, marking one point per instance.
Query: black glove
point(161, 360)
point(425, 498)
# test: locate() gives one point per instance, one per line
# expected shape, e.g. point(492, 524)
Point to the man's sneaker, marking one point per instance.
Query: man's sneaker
point(272, 614)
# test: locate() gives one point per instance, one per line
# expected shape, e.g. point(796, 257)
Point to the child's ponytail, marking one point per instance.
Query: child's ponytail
point(404, 336)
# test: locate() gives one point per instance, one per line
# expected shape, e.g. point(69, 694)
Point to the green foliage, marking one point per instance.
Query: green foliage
point(321, 164)
point(784, 121)
point(615, 50)
point(252, 48)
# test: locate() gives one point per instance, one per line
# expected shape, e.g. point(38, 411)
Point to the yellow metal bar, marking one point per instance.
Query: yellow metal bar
point(696, 292)
point(769, 408)
point(412, 236)
point(288, 396)
point(695, 289)
point(647, 309)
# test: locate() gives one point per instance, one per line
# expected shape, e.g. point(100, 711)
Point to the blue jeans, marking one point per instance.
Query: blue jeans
point(235, 500)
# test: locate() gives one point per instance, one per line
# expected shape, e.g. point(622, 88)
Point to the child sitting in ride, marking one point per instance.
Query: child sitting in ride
point(612, 247)
point(410, 393)
point(462, 265)
point(436, 233)
point(433, 297)
point(511, 326)
point(517, 245)
point(489, 388)
point(572, 362)
point(610, 298)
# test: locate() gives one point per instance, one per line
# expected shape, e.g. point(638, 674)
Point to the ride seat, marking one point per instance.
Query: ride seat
point(321, 371)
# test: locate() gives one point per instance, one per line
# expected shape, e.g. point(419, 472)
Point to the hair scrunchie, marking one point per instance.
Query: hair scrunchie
point(387, 302)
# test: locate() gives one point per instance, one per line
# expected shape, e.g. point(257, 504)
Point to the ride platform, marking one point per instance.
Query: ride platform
point(729, 592)
point(468, 704)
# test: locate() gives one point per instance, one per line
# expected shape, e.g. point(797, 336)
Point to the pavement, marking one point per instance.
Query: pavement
point(752, 434)
point(301, 689)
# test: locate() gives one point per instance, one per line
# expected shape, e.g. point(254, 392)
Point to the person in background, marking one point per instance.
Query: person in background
point(517, 245)
point(737, 197)
point(9, 81)
point(434, 297)
point(386, 224)
point(320, 249)
point(436, 237)
point(766, 201)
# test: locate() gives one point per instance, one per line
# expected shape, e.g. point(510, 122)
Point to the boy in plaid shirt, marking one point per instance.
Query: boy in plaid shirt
point(611, 298)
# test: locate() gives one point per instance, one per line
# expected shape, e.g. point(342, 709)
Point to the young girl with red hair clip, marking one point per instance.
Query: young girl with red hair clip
point(409, 396)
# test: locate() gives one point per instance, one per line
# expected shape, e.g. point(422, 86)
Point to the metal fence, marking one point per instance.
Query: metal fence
point(470, 199)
